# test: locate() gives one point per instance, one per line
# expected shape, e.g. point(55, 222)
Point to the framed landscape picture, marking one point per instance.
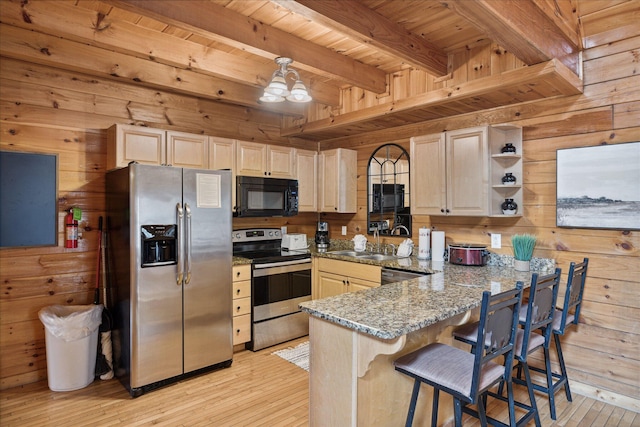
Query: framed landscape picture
point(599, 187)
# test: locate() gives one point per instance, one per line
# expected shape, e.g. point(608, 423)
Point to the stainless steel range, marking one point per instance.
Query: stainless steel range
point(280, 281)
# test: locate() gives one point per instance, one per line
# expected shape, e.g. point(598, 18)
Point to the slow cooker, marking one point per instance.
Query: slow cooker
point(468, 254)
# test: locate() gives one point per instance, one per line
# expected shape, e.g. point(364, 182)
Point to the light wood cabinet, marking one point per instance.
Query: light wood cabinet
point(241, 308)
point(337, 178)
point(307, 176)
point(187, 150)
point(330, 278)
point(450, 173)
point(128, 143)
point(149, 146)
point(222, 155)
point(255, 159)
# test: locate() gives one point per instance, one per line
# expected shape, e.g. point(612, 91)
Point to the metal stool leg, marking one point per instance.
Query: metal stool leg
point(563, 368)
point(434, 407)
point(412, 405)
point(550, 388)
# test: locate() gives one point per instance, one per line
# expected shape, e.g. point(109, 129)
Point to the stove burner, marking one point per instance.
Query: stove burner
point(262, 245)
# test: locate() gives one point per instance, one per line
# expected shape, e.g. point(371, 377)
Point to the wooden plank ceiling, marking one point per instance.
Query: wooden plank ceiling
point(224, 49)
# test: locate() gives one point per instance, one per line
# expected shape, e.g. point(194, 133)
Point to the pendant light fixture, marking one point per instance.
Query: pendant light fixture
point(277, 90)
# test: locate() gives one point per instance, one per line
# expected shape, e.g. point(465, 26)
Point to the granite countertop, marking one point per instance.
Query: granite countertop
point(396, 309)
point(393, 310)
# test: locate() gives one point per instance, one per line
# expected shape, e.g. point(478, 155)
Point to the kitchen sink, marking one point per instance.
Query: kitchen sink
point(347, 253)
point(364, 255)
point(378, 257)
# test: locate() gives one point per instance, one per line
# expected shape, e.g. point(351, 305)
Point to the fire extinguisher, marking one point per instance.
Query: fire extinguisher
point(71, 230)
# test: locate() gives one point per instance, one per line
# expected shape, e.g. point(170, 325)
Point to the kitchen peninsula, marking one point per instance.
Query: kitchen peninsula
point(355, 337)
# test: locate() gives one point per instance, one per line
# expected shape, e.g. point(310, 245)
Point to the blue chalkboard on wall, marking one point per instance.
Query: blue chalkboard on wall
point(28, 199)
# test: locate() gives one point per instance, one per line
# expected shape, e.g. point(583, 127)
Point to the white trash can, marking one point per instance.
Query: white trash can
point(71, 335)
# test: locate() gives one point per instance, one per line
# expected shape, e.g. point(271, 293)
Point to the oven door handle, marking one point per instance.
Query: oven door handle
point(272, 268)
point(282, 263)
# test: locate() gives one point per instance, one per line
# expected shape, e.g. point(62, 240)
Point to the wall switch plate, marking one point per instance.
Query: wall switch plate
point(344, 230)
point(496, 241)
point(283, 230)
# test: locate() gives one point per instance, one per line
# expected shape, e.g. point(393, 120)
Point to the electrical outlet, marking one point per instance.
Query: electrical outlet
point(496, 241)
point(344, 230)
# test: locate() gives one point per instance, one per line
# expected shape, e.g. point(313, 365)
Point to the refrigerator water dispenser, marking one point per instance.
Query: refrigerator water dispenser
point(158, 245)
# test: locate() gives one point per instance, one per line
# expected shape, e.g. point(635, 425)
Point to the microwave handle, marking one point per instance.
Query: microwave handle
point(287, 200)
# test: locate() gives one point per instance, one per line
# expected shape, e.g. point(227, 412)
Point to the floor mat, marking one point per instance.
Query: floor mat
point(298, 355)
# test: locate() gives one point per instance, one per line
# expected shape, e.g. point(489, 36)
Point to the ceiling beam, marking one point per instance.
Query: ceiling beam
point(229, 27)
point(88, 26)
point(57, 52)
point(522, 28)
point(363, 24)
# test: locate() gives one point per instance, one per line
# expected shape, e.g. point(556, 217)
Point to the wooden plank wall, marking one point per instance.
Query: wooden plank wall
point(48, 110)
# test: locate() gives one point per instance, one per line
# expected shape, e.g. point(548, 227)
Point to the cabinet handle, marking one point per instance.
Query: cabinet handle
point(238, 308)
point(237, 291)
point(237, 274)
point(442, 210)
point(237, 331)
point(447, 210)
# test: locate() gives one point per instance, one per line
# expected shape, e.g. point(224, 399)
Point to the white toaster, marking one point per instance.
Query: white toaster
point(294, 242)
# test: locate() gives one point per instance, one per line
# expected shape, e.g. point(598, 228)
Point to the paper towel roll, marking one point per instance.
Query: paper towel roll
point(437, 246)
point(424, 243)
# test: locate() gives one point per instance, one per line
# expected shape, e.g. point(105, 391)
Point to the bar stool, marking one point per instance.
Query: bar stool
point(466, 376)
point(566, 316)
point(536, 315)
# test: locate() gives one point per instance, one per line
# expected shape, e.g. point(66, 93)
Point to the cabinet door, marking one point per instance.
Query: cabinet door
point(331, 284)
point(135, 143)
point(359, 284)
point(337, 183)
point(281, 162)
point(251, 159)
point(467, 172)
point(428, 175)
point(222, 153)
point(328, 181)
point(307, 176)
point(187, 150)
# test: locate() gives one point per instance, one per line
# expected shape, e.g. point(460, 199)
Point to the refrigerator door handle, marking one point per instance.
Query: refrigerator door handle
point(179, 221)
point(187, 211)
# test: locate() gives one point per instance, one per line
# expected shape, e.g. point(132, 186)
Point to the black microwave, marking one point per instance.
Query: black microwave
point(388, 197)
point(256, 196)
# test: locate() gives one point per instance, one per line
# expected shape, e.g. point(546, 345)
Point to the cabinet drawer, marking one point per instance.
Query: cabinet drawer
point(356, 270)
point(241, 306)
point(241, 272)
point(241, 289)
point(241, 329)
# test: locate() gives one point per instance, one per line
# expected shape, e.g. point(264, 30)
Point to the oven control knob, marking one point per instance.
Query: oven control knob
point(237, 235)
point(277, 233)
point(271, 234)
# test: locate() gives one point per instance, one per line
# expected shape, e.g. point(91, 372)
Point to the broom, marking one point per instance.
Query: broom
point(102, 367)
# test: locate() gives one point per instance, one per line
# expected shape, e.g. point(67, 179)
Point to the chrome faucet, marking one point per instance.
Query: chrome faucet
point(399, 228)
point(376, 235)
point(393, 248)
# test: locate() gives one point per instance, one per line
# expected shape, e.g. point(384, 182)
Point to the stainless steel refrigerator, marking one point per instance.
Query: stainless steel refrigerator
point(170, 241)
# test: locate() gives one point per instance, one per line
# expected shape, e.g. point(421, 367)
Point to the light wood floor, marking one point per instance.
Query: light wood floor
point(259, 389)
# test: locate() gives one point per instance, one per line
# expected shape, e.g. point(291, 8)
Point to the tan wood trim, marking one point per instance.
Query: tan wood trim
point(552, 75)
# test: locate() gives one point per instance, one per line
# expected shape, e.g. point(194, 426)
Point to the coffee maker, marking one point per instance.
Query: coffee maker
point(322, 236)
